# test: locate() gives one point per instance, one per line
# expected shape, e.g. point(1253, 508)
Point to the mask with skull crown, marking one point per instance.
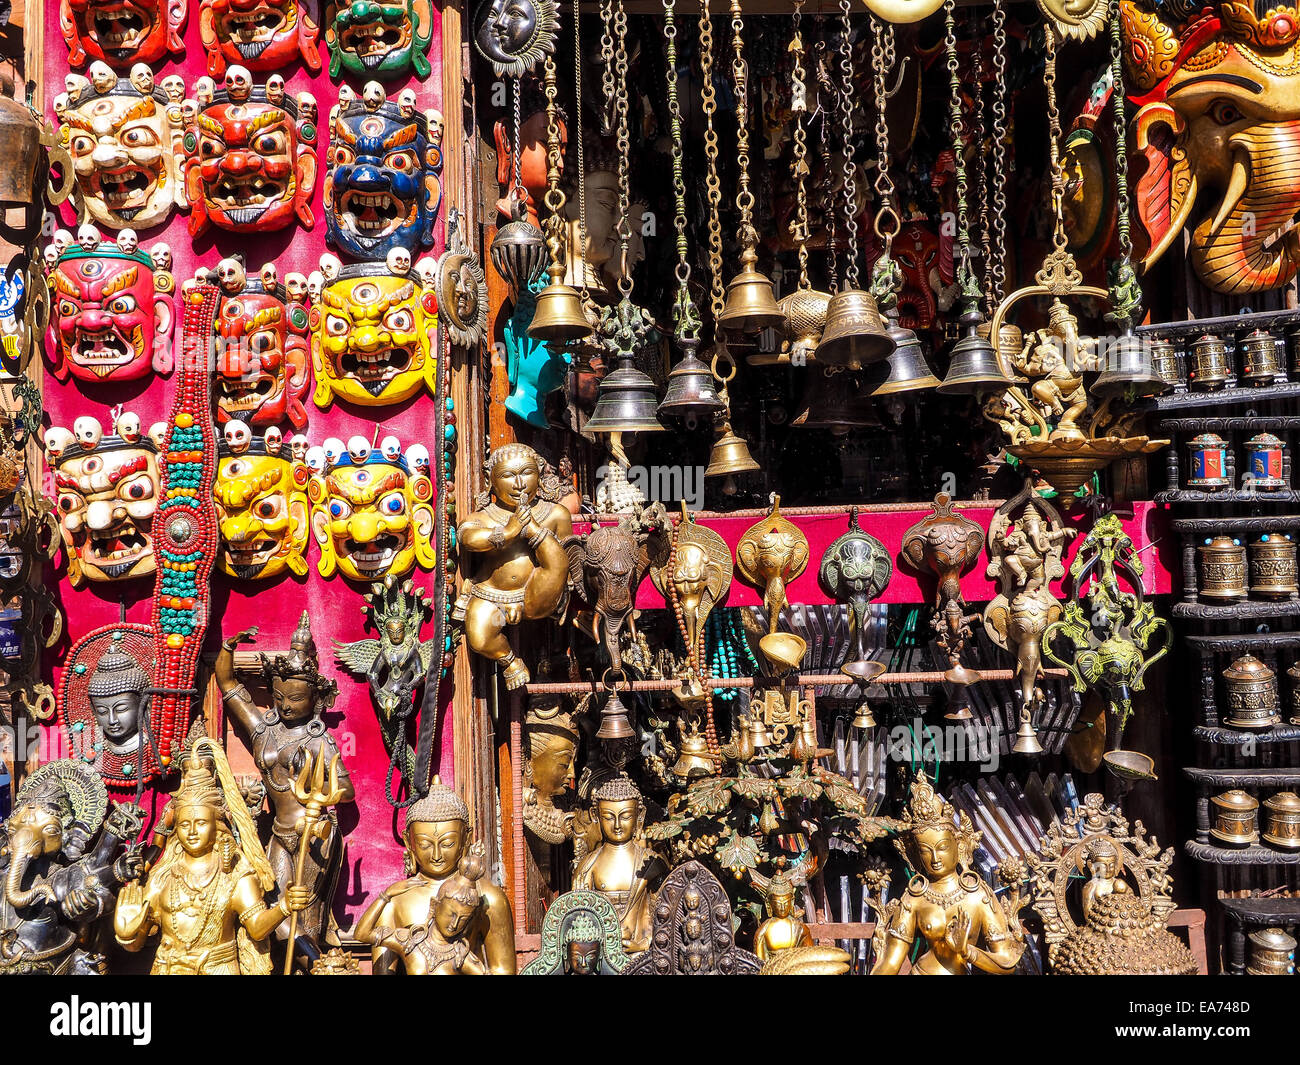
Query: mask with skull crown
point(383, 175)
point(262, 508)
point(250, 158)
point(122, 32)
point(113, 311)
point(383, 39)
point(262, 350)
point(371, 509)
point(124, 137)
point(374, 335)
point(106, 496)
point(262, 35)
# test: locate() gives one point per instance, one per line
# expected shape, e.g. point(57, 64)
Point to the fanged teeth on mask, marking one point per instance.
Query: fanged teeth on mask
point(114, 548)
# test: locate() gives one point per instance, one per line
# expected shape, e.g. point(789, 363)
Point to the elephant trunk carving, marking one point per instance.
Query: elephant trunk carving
point(24, 848)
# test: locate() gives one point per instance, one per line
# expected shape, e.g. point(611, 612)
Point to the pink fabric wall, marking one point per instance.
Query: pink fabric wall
point(374, 858)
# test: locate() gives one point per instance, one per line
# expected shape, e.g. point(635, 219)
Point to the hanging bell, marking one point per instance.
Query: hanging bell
point(625, 402)
point(855, 335)
point(1026, 738)
point(975, 366)
point(730, 454)
point(833, 401)
point(518, 250)
point(614, 723)
point(694, 760)
point(759, 737)
point(805, 318)
point(692, 389)
point(559, 315)
point(751, 303)
point(1130, 368)
point(863, 718)
point(909, 369)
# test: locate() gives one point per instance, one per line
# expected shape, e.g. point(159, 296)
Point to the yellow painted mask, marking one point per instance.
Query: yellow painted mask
point(262, 509)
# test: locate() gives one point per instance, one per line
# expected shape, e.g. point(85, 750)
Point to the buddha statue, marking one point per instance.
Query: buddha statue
point(782, 930)
point(117, 697)
point(518, 568)
point(282, 740)
point(582, 942)
point(621, 865)
point(551, 741)
point(437, 839)
point(206, 896)
point(1103, 862)
point(581, 936)
point(947, 904)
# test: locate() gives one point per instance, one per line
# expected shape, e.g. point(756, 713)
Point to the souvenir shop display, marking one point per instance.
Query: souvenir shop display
point(707, 487)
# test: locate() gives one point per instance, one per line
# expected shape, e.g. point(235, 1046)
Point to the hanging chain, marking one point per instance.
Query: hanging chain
point(747, 235)
point(996, 273)
point(516, 188)
point(1125, 292)
point(713, 187)
point(981, 162)
point(965, 274)
point(887, 275)
point(1054, 145)
point(826, 91)
point(850, 165)
point(621, 107)
point(799, 105)
point(686, 316)
point(582, 162)
point(607, 65)
point(554, 198)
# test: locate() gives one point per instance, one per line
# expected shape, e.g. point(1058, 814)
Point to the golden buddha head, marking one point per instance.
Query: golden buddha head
point(618, 810)
point(437, 827)
point(780, 895)
point(552, 744)
point(1102, 858)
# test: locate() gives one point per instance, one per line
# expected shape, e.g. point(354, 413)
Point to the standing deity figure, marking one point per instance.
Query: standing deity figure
point(437, 841)
point(947, 904)
point(206, 897)
point(520, 570)
point(283, 739)
point(621, 866)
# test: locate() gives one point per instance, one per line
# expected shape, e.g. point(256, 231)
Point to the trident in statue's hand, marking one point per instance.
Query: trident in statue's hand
point(316, 797)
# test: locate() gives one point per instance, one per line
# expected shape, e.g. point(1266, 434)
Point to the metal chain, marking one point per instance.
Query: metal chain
point(582, 162)
point(887, 275)
point(1125, 291)
point(1054, 146)
point(621, 107)
point(607, 64)
point(981, 160)
point(827, 86)
point(850, 165)
point(554, 198)
point(686, 316)
point(799, 105)
point(713, 187)
point(747, 235)
point(996, 275)
point(965, 274)
point(517, 185)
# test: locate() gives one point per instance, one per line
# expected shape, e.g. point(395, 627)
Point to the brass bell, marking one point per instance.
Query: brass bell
point(614, 723)
point(1130, 369)
point(1026, 738)
point(559, 315)
point(694, 760)
point(805, 318)
point(833, 401)
point(518, 250)
point(863, 719)
point(751, 303)
point(625, 403)
point(855, 335)
point(974, 366)
point(909, 369)
point(758, 734)
point(730, 454)
point(692, 389)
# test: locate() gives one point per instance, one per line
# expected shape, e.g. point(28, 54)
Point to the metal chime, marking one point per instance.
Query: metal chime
point(518, 250)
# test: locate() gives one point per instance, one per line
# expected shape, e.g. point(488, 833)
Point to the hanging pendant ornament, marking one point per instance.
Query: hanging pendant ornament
point(855, 335)
point(514, 35)
point(518, 251)
point(996, 272)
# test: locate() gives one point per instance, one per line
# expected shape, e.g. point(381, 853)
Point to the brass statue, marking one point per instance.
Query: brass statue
point(783, 929)
point(771, 553)
point(856, 568)
point(1124, 903)
point(437, 839)
point(521, 570)
point(947, 904)
point(284, 740)
point(581, 936)
point(622, 867)
point(551, 742)
point(206, 895)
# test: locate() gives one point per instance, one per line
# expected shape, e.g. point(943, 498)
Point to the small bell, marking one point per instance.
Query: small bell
point(559, 316)
point(759, 737)
point(518, 250)
point(751, 304)
point(625, 402)
point(1026, 737)
point(863, 718)
point(974, 366)
point(692, 389)
point(854, 335)
point(730, 454)
point(909, 369)
point(614, 723)
point(1130, 369)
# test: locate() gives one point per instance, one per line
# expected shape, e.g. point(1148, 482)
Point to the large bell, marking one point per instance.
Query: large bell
point(909, 369)
point(835, 401)
point(854, 335)
point(692, 389)
point(751, 303)
point(518, 250)
point(1026, 737)
point(1129, 369)
point(730, 454)
point(559, 315)
point(975, 366)
point(625, 402)
point(614, 723)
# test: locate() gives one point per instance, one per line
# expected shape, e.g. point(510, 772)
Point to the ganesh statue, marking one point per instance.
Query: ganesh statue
point(106, 491)
point(262, 349)
point(1218, 123)
point(113, 307)
point(64, 856)
point(250, 155)
point(384, 39)
point(262, 507)
point(374, 332)
point(124, 136)
point(122, 32)
point(263, 35)
point(383, 174)
point(371, 508)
